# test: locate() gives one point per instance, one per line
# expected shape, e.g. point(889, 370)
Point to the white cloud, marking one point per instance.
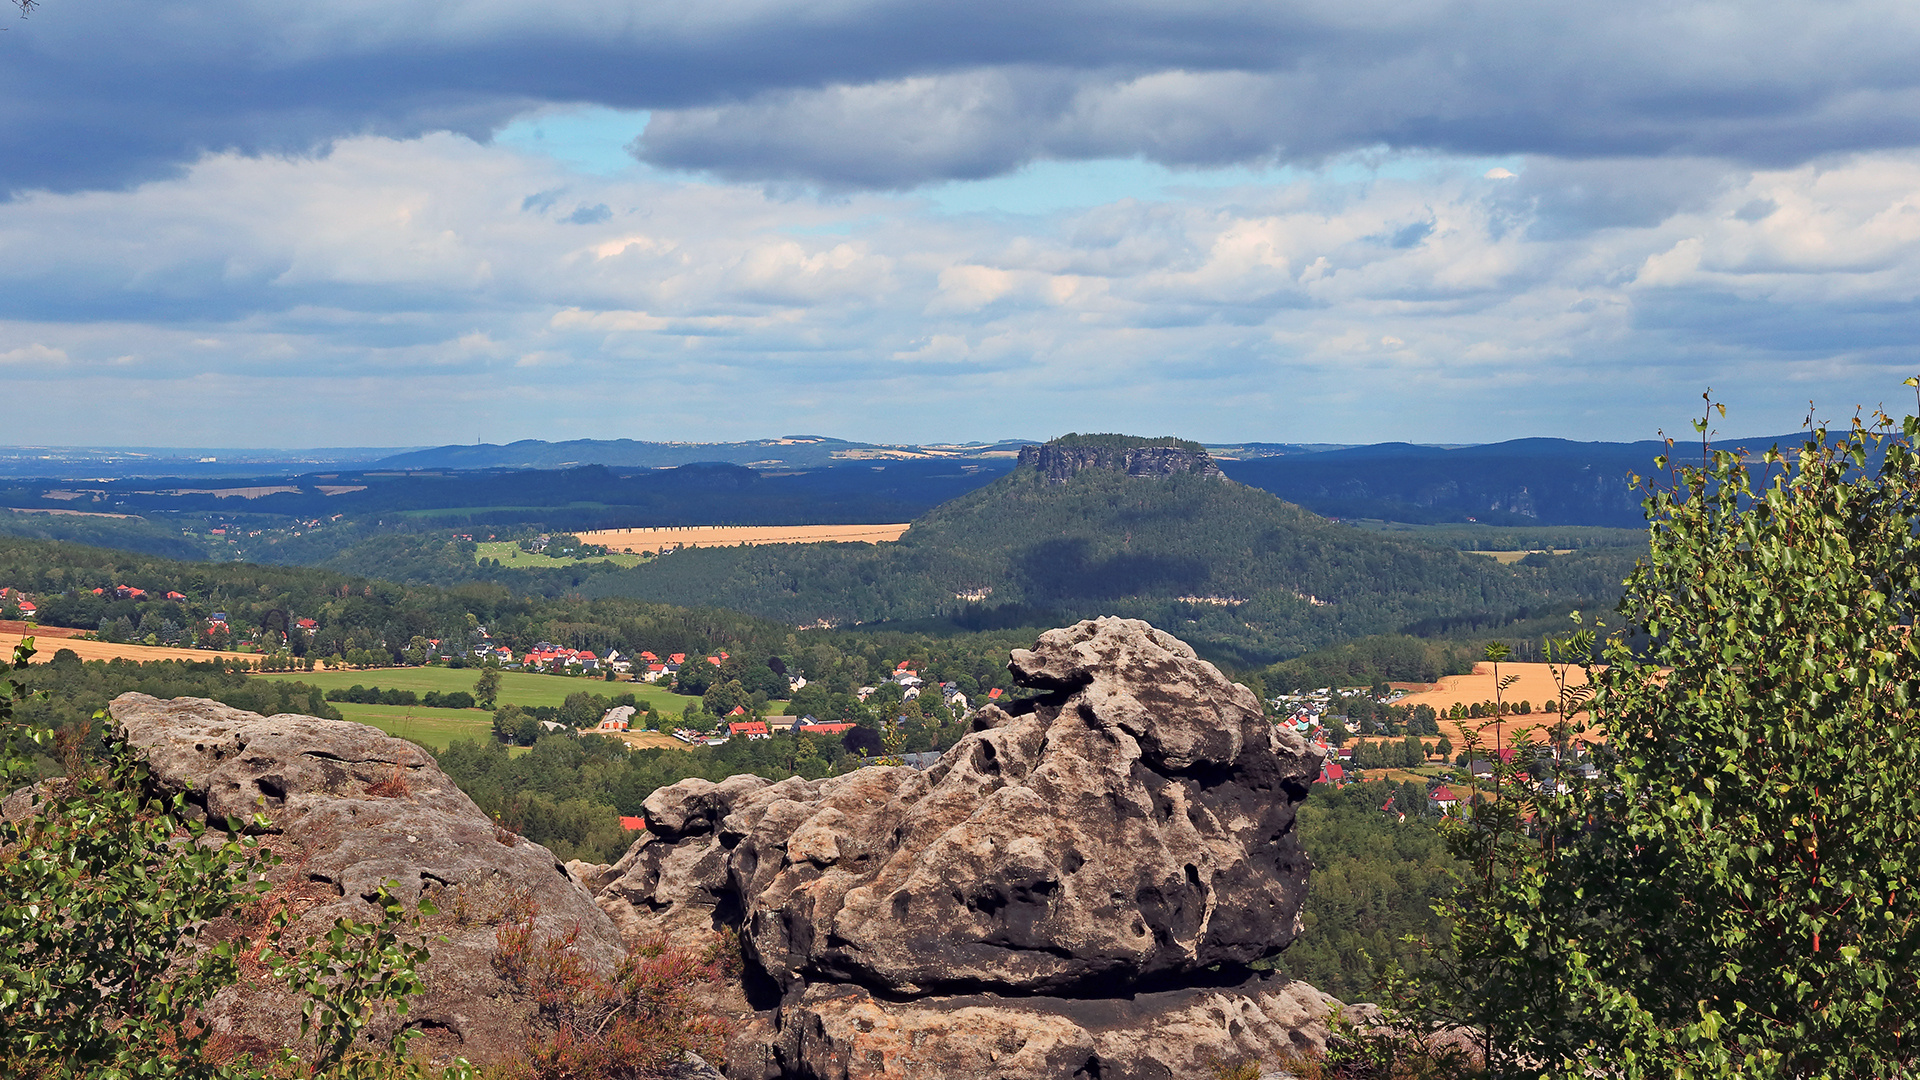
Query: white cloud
point(36, 354)
point(407, 291)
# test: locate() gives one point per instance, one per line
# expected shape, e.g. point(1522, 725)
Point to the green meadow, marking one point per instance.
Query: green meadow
point(431, 728)
point(516, 688)
point(512, 557)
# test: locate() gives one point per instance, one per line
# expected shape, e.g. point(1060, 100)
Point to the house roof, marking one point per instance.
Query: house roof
point(825, 729)
point(748, 727)
point(632, 824)
point(1443, 793)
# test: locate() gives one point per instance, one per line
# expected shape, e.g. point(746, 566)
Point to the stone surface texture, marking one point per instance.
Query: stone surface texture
point(352, 810)
point(1078, 887)
point(1058, 464)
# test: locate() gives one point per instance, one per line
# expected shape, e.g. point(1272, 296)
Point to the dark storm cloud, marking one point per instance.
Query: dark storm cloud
point(900, 92)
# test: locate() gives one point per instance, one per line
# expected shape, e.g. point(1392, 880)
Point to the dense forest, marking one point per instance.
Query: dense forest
point(1375, 878)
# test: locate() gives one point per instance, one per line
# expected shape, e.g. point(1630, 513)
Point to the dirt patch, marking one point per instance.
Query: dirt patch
point(647, 740)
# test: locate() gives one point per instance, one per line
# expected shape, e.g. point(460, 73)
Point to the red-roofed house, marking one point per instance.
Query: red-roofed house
point(714, 660)
point(993, 694)
point(308, 625)
point(171, 595)
point(648, 657)
point(29, 608)
point(1332, 773)
point(677, 658)
point(1443, 798)
point(99, 592)
point(632, 824)
point(752, 729)
point(738, 710)
point(824, 729)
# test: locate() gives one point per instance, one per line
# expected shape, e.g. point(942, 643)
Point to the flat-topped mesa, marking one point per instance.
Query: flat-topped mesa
point(1059, 463)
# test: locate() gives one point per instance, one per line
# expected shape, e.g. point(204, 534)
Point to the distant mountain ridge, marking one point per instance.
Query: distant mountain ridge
point(1519, 482)
point(786, 452)
point(1533, 481)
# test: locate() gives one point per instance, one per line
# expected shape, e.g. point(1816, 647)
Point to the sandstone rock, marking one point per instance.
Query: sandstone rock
point(1058, 464)
point(845, 1033)
point(353, 809)
point(1127, 835)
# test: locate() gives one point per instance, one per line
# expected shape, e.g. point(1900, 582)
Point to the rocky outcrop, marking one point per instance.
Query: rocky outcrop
point(351, 810)
point(1080, 886)
point(1058, 464)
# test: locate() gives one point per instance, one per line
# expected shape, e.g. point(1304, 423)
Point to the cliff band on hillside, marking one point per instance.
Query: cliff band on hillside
point(1079, 887)
point(1060, 463)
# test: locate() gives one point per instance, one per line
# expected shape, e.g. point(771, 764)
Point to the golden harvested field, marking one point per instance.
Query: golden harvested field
point(689, 536)
point(47, 645)
point(1536, 686)
point(1510, 557)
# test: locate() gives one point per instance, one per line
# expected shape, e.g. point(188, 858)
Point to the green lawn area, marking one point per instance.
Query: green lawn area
point(511, 556)
point(431, 728)
point(516, 687)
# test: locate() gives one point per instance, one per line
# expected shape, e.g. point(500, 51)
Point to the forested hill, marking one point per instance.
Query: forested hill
point(1242, 575)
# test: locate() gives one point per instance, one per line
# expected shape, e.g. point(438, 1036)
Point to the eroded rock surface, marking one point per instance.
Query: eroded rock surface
point(1061, 463)
point(1104, 859)
point(352, 810)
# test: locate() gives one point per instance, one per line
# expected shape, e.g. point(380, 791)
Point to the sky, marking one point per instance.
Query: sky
point(235, 223)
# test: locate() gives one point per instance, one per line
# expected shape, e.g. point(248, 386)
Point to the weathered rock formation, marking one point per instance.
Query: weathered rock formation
point(351, 811)
point(1078, 888)
point(1059, 463)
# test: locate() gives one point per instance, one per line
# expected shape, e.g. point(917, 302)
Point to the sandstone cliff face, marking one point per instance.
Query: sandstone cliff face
point(353, 809)
point(1076, 888)
point(1059, 463)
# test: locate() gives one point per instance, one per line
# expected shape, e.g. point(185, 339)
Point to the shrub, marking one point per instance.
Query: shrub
point(1737, 896)
point(104, 896)
point(639, 1025)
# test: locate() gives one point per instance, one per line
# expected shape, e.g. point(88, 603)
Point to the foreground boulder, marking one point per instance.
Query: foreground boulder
point(1080, 886)
point(352, 810)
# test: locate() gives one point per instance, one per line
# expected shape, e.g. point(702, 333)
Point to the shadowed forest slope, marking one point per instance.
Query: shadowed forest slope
point(1243, 575)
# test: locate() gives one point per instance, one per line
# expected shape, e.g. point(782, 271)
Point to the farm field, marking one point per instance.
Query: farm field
point(516, 687)
point(689, 536)
point(1508, 558)
point(1536, 686)
point(46, 645)
point(434, 729)
point(510, 555)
